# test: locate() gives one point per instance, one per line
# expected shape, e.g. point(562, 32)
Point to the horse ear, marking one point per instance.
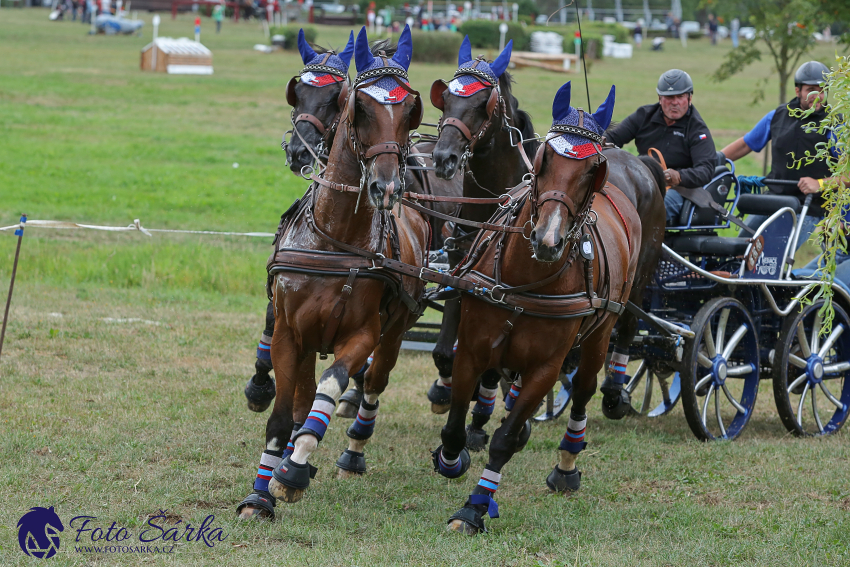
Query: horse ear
point(561, 104)
point(362, 54)
point(404, 51)
point(605, 111)
point(307, 53)
point(465, 53)
point(501, 62)
point(346, 53)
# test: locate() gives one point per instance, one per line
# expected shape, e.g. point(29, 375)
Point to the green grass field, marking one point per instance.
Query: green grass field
point(120, 419)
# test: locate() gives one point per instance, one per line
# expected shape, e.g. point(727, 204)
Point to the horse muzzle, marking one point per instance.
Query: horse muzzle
point(385, 194)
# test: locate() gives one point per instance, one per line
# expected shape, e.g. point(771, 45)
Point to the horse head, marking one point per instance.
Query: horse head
point(569, 169)
point(381, 111)
point(470, 103)
point(317, 96)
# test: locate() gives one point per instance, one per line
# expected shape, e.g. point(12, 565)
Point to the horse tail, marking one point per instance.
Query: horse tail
point(657, 172)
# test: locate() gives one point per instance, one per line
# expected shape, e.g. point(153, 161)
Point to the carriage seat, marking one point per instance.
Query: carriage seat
point(767, 204)
point(708, 245)
point(718, 189)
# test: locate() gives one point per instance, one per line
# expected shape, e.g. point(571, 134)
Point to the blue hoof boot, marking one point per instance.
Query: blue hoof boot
point(560, 481)
point(454, 471)
point(259, 396)
point(352, 461)
point(476, 439)
point(440, 397)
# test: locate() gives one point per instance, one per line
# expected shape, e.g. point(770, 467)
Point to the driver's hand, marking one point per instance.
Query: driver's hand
point(808, 185)
point(673, 178)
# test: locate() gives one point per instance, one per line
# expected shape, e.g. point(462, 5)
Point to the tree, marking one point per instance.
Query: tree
point(784, 27)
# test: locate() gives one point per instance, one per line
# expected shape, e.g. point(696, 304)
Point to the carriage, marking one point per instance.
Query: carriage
point(723, 313)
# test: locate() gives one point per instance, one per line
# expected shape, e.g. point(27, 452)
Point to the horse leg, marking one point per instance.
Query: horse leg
point(260, 389)
point(440, 393)
point(352, 462)
point(506, 442)
point(451, 459)
point(616, 403)
point(566, 477)
point(292, 475)
point(510, 402)
point(296, 389)
point(488, 389)
point(349, 403)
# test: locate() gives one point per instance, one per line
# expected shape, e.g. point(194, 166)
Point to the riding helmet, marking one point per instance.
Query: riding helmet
point(810, 73)
point(674, 82)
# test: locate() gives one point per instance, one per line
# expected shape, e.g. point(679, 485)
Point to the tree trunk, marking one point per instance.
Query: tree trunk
point(783, 85)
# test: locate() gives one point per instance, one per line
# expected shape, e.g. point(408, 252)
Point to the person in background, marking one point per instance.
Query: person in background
point(683, 34)
point(712, 29)
point(674, 127)
point(218, 16)
point(638, 33)
point(734, 29)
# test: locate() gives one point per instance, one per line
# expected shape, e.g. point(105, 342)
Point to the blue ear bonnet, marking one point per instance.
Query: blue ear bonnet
point(483, 67)
point(337, 62)
point(575, 145)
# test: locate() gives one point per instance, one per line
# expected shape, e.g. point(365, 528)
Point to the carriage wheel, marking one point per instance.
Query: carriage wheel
point(722, 362)
point(652, 381)
point(813, 368)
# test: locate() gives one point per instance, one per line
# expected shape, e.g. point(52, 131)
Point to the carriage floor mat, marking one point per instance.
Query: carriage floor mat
point(471, 517)
point(352, 461)
point(259, 499)
point(259, 396)
point(293, 475)
point(560, 481)
point(711, 245)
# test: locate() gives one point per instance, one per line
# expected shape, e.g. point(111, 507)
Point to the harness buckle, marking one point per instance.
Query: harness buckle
point(500, 300)
point(374, 267)
point(509, 202)
point(310, 171)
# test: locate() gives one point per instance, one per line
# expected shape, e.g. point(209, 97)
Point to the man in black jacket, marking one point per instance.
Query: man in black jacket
point(674, 127)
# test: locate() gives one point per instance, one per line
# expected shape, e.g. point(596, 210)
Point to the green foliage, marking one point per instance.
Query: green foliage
point(485, 34)
point(436, 47)
point(290, 34)
point(784, 27)
point(831, 236)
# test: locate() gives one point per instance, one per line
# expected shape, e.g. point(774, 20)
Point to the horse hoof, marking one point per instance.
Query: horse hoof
point(560, 481)
point(349, 403)
point(476, 439)
point(524, 436)
point(440, 397)
point(440, 409)
point(252, 513)
point(257, 505)
point(285, 493)
point(616, 407)
point(343, 474)
point(461, 527)
point(259, 397)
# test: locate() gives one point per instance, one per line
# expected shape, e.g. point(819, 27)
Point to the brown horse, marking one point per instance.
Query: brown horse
point(530, 309)
point(324, 255)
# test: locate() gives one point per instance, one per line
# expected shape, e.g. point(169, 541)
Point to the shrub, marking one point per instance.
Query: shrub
point(436, 47)
point(485, 34)
point(290, 34)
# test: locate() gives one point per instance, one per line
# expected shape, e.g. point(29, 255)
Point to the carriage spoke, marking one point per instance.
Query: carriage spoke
point(796, 361)
point(630, 387)
point(703, 360)
point(733, 342)
point(816, 333)
point(733, 401)
point(830, 340)
point(705, 405)
point(800, 405)
point(830, 397)
point(721, 329)
point(804, 343)
point(703, 381)
point(815, 411)
point(796, 382)
point(742, 370)
point(717, 413)
point(836, 368)
point(647, 393)
point(709, 342)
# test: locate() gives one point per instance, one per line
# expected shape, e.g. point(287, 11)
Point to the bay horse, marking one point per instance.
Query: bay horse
point(586, 238)
point(335, 246)
point(479, 130)
point(317, 95)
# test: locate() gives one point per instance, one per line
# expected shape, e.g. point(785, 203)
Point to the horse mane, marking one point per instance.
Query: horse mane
point(384, 45)
point(521, 118)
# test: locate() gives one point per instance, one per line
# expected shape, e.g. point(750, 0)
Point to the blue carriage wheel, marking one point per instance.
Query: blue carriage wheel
point(648, 384)
point(720, 370)
point(811, 384)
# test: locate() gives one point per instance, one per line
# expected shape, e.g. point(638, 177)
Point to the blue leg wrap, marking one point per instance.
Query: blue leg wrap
point(513, 394)
point(364, 423)
point(486, 400)
point(290, 445)
point(264, 351)
point(319, 418)
point(268, 462)
point(573, 440)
